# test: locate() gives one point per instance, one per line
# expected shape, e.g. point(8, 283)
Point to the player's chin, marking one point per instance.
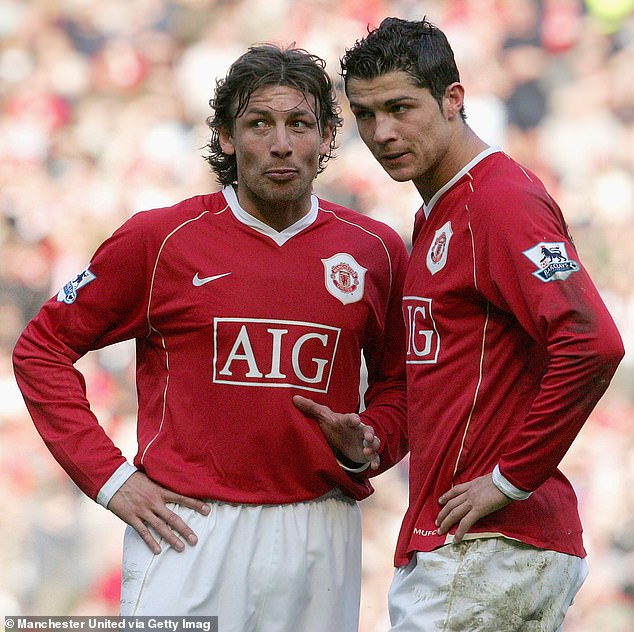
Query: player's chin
point(287, 191)
point(397, 173)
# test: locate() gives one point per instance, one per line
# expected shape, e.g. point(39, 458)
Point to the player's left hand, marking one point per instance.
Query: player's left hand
point(466, 503)
point(344, 432)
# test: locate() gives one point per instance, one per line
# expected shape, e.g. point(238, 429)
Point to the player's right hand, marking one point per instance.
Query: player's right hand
point(344, 432)
point(466, 503)
point(142, 503)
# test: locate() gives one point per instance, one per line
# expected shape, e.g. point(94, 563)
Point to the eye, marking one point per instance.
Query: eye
point(302, 124)
point(398, 108)
point(362, 115)
point(258, 123)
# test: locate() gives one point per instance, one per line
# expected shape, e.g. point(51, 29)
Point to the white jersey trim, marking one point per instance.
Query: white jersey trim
point(279, 237)
point(427, 208)
point(506, 487)
point(151, 328)
point(354, 470)
point(114, 483)
point(368, 232)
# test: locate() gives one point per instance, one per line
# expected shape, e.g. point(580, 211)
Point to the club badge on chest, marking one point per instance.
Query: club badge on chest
point(437, 253)
point(344, 277)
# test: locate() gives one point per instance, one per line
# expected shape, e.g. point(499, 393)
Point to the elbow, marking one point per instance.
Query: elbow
point(18, 356)
point(608, 354)
point(614, 350)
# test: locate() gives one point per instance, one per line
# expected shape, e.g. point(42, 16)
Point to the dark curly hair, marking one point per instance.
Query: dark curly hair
point(268, 65)
point(418, 48)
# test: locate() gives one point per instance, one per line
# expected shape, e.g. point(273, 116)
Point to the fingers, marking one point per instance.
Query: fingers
point(146, 536)
point(369, 437)
point(196, 504)
point(343, 431)
point(170, 525)
point(375, 462)
point(313, 409)
point(465, 504)
point(371, 443)
point(455, 511)
point(144, 505)
point(324, 415)
point(163, 526)
point(307, 406)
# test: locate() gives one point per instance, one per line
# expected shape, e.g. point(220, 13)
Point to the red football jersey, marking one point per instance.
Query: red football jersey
point(509, 348)
point(231, 319)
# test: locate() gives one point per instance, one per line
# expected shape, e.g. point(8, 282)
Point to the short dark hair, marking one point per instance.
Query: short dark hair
point(261, 66)
point(418, 48)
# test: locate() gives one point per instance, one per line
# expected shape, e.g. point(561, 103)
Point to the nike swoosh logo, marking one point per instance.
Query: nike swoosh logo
point(197, 281)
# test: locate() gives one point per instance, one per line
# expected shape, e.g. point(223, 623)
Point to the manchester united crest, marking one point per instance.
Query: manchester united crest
point(437, 253)
point(344, 277)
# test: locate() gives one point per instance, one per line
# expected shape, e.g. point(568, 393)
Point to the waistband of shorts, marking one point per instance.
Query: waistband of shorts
point(335, 493)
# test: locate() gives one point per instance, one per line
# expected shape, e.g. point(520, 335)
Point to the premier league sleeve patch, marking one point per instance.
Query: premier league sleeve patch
point(68, 294)
point(344, 277)
point(552, 261)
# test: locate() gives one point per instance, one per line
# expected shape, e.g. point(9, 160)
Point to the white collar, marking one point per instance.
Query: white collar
point(481, 156)
point(279, 237)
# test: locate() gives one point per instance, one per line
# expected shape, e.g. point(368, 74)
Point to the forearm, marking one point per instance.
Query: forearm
point(387, 414)
point(55, 396)
point(571, 387)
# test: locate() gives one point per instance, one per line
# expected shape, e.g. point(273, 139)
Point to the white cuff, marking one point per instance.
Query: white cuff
point(506, 487)
point(120, 476)
point(355, 470)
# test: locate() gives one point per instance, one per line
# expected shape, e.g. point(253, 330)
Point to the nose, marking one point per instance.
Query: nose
point(383, 131)
point(281, 143)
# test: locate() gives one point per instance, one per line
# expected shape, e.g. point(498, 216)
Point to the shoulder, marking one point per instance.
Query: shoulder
point(153, 226)
point(505, 194)
point(145, 231)
point(503, 179)
point(165, 219)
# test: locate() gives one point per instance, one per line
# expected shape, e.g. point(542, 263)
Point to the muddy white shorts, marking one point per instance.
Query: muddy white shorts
point(485, 585)
point(271, 568)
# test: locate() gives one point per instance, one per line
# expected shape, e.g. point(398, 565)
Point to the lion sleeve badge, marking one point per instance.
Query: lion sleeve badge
point(552, 261)
point(68, 294)
point(344, 277)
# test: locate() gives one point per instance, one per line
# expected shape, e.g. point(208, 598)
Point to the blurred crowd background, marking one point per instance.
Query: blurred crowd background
point(102, 114)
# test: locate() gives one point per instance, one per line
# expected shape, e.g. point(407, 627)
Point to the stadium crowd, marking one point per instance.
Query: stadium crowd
point(102, 114)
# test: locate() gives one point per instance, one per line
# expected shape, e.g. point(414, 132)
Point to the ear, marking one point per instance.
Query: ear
point(326, 138)
point(226, 142)
point(454, 99)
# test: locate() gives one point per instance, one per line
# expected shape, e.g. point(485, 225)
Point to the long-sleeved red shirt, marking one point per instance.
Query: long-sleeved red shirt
point(231, 319)
point(509, 349)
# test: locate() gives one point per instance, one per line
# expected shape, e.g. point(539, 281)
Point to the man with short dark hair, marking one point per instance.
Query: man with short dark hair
point(509, 348)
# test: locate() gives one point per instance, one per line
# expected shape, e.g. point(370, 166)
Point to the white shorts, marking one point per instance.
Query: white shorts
point(272, 568)
point(483, 585)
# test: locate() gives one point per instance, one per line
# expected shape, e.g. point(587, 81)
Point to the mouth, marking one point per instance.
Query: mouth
point(392, 158)
point(281, 174)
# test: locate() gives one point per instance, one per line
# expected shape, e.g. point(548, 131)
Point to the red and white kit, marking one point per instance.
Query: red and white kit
point(497, 301)
point(230, 319)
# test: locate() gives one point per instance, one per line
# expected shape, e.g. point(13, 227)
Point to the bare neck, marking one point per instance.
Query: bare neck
point(464, 146)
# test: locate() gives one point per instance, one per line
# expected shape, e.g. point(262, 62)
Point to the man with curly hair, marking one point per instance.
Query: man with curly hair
point(240, 302)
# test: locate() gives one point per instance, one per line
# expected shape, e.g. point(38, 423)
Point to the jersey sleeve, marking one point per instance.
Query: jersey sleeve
point(386, 396)
point(531, 269)
point(106, 303)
